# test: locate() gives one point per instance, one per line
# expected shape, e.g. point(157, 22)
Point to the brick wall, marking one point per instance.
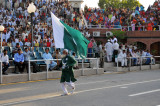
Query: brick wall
point(146, 37)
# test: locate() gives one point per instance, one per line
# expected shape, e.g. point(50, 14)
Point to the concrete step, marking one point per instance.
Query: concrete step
point(13, 78)
point(133, 68)
point(110, 69)
point(106, 65)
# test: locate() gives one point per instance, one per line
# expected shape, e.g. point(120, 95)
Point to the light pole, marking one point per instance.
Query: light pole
point(31, 10)
point(1, 30)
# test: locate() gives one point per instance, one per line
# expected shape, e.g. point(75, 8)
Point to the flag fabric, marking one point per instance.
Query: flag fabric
point(68, 38)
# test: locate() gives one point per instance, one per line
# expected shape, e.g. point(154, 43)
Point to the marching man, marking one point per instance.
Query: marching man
point(67, 77)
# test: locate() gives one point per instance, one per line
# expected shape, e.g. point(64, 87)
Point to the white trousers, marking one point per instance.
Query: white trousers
point(64, 86)
point(123, 62)
point(109, 58)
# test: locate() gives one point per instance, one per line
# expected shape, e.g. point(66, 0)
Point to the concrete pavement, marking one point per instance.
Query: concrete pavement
point(128, 89)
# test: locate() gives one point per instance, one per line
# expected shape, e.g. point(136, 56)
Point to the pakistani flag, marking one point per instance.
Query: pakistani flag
point(68, 38)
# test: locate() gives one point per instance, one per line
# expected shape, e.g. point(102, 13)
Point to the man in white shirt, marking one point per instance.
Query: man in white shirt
point(5, 62)
point(24, 34)
point(27, 44)
point(134, 57)
point(122, 57)
point(8, 33)
point(48, 56)
point(115, 50)
point(109, 51)
point(115, 39)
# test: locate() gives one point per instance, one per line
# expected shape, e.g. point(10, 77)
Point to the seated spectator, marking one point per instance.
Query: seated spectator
point(76, 65)
point(15, 49)
point(27, 53)
point(5, 62)
point(20, 43)
point(52, 44)
point(48, 56)
point(9, 44)
point(48, 43)
point(41, 43)
point(19, 61)
point(57, 55)
point(4, 43)
point(134, 57)
point(27, 44)
point(13, 43)
point(122, 57)
point(149, 58)
point(36, 43)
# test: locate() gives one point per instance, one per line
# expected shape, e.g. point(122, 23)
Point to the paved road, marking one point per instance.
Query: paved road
point(128, 89)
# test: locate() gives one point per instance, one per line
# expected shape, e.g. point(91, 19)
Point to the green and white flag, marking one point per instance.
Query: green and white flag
point(68, 38)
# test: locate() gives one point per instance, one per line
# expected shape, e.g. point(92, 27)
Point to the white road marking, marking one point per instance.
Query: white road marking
point(123, 87)
point(9, 102)
point(147, 92)
point(91, 82)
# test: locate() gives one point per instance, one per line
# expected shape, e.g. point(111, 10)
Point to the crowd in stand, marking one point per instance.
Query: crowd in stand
point(16, 21)
point(137, 19)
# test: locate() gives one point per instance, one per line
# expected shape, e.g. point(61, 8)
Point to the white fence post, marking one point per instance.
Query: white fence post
point(29, 71)
point(130, 63)
point(141, 63)
point(82, 67)
point(97, 66)
point(117, 64)
point(47, 63)
point(1, 79)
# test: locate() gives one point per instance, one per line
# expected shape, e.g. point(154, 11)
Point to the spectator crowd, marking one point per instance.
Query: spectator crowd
point(138, 19)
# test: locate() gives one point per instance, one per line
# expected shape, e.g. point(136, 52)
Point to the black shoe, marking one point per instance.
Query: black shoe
point(34, 72)
point(5, 73)
point(50, 69)
point(16, 72)
point(39, 71)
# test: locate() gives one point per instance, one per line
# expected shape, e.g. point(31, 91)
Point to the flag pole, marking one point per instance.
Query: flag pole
point(56, 56)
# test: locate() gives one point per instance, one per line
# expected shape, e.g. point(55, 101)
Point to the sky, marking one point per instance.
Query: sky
point(94, 3)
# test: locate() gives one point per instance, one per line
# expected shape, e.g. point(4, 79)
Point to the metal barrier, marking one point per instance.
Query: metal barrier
point(105, 27)
point(140, 58)
point(48, 61)
point(119, 27)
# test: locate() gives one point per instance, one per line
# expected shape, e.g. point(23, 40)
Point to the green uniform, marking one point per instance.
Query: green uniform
point(67, 69)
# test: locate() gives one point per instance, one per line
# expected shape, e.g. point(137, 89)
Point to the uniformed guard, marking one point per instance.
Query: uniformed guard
point(67, 77)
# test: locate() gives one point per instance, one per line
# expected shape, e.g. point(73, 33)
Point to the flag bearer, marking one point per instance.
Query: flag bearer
point(67, 77)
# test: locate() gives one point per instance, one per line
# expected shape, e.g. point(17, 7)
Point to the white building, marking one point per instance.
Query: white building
point(76, 4)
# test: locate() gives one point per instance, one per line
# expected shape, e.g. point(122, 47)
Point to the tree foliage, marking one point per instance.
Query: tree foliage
point(131, 4)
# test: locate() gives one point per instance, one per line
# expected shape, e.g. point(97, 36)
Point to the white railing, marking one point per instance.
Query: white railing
point(119, 27)
point(140, 64)
point(48, 61)
point(105, 27)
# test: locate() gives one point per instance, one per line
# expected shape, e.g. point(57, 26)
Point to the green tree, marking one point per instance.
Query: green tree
point(119, 3)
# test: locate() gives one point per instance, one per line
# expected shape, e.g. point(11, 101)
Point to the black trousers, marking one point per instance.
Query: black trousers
point(35, 66)
point(102, 62)
point(20, 66)
point(5, 67)
point(115, 53)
